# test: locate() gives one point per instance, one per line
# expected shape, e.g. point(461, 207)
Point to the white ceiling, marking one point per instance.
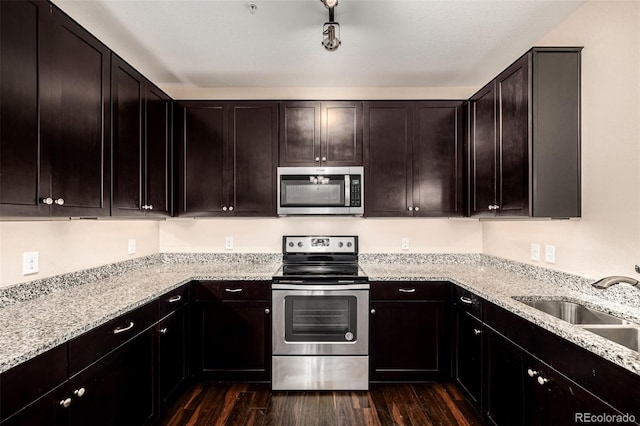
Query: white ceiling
point(392, 43)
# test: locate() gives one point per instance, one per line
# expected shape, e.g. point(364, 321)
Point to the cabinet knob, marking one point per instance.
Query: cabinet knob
point(230, 208)
point(48, 201)
point(417, 209)
point(65, 403)
point(317, 159)
point(373, 312)
point(150, 207)
point(476, 331)
point(59, 201)
point(494, 207)
point(267, 311)
point(324, 158)
point(410, 208)
point(79, 392)
point(224, 208)
point(542, 380)
point(532, 373)
point(164, 330)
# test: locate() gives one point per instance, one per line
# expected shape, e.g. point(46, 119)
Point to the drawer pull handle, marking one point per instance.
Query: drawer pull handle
point(175, 299)
point(466, 300)
point(79, 392)
point(233, 290)
point(407, 290)
point(65, 403)
point(123, 329)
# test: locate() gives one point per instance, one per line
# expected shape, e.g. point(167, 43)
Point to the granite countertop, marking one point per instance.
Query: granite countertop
point(75, 303)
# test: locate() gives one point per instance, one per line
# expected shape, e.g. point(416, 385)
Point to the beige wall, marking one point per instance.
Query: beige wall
point(607, 239)
point(375, 235)
point(71, 245)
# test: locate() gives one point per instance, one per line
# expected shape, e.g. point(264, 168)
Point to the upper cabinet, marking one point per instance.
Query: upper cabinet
point(413, 155)
point(140, 138)
point(227, 157)
point(55, 92)
point(524, 128)
point(321, 133)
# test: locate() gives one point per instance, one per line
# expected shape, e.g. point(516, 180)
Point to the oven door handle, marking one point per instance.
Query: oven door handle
point(320, 287)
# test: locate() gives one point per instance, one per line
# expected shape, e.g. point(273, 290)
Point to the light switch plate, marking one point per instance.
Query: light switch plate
point(550, 253)
point(30, 263)
point(535, 252)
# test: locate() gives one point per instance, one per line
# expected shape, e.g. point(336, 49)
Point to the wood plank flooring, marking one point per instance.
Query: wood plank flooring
point(384, 404)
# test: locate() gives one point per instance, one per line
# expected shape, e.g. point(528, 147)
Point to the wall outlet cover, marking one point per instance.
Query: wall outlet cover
point(535, 252)
point(30, 263)
point(228, 243)
point(404, 243)
point(550, 253)
point(132, 247)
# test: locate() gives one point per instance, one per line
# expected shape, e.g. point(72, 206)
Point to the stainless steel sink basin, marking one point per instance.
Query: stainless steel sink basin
point(626, 336)
point(573, 313)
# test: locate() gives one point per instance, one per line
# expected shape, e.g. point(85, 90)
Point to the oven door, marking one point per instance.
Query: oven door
point(321, 320)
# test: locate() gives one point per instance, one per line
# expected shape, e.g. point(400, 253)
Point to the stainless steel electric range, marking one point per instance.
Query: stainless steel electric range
point(320, 316)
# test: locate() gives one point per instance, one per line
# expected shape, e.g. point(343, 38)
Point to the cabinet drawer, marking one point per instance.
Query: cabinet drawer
point(173, 300)
point(28, 381)
point(467, 301)
point(409, 290)
point(231, 290)
point(94, 344)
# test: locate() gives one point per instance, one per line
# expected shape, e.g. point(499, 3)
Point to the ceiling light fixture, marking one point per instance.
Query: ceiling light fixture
point(331, 30)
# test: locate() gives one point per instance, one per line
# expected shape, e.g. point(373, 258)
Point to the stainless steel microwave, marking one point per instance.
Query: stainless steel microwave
point(321, 190)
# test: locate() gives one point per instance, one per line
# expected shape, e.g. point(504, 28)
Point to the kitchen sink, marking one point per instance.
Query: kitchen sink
point(574, 313)
point(625, 336)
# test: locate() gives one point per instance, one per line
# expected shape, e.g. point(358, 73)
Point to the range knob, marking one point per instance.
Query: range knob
point(300, 244)
point(290, 244)
point(340, 244)
point(349, 244)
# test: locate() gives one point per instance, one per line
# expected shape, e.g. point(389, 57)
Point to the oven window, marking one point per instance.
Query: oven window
point(320, 318)
point(299, 191)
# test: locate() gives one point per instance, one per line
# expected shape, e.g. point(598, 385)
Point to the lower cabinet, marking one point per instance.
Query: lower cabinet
point(172, 354)
point(523, 390)
point(409, 331)
point(467, 369)
point(232, 330)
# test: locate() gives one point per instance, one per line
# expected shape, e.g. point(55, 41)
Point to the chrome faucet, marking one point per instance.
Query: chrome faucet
point(609, 281)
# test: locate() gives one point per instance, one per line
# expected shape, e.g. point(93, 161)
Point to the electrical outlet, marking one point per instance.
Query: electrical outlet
point(535, 252)
point(228, 243)
point(550, 253)
point(404, 243)
point(30, 263)
point(132, 247)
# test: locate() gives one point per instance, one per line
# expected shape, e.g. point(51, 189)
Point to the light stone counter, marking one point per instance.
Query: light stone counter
point(39, 315)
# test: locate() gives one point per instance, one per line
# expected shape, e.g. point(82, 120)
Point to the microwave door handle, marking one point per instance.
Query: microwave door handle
point(347, 190)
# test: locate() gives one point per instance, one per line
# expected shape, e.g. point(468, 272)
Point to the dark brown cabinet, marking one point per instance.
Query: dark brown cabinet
point(409, 331)
point(468, 335)
point(524, 150)
point(413, 158)
point(327, 133)
point(20, 180)
point(227, 158)
point(140, 144)
point(232, 330)
point(56, 86)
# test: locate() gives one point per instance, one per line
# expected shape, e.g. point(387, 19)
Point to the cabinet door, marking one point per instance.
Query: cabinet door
point(233, 340)
point(408, 341)
point(158, 160)
point(20, 180)
point(201, 135)
point(75, 119)
point(505, 382)
point(127, 96)
point(172, 354)
point(483, 175)
point(300, 134)
point(437, 159)
point(468, 354)
point(117, 389)
point(341, 136)
point(512, 88)
point(253, 145)
point(387, 128)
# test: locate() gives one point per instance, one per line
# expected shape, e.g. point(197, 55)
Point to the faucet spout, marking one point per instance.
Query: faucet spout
point(609, 281)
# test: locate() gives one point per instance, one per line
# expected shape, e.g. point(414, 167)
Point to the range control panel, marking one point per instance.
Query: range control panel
point(320, 244)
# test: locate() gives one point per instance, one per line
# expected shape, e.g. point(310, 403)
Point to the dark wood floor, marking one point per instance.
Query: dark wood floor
point(384, 404)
